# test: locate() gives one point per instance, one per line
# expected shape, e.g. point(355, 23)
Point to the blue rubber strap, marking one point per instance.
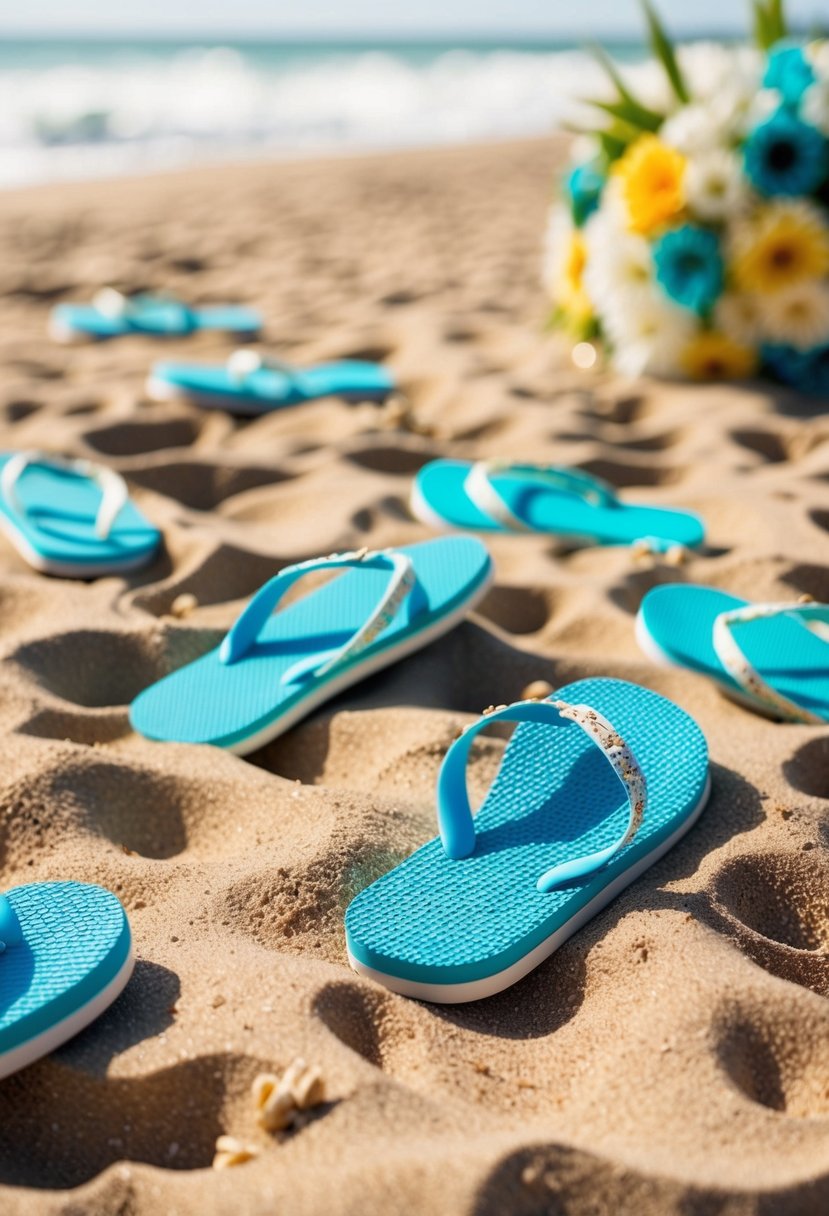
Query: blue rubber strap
point(136, 312)
point(10, 932)
point(182, 319)
point(403, 586)
point(456, 825)
point(480, 488)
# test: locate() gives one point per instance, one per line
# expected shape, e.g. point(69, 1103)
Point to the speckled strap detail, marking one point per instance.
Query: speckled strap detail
point(455, 822)
point(734, 661)
point(114, 492)
point(244, 363)
point(402, 584)
point(486, 497)
point(10, 932)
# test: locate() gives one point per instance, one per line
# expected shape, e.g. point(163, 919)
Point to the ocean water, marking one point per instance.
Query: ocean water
point(83, 108)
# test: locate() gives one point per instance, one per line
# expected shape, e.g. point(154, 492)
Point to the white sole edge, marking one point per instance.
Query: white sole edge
point(163, 391)
point(421, 510)
point(477, 990)
point(329, 690)
point(45, 1043)
point(45, 565)
point(651, 648)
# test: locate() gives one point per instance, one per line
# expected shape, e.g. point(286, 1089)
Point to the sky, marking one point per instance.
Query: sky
point(603, 18)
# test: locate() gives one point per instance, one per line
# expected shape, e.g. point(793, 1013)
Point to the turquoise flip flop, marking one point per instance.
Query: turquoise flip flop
point(499, 496)
point(65, 955)
point(111, 315)
point(71, 517)
point(765, 656)
point(595, 785)
point(251, 383)
point(271, 671)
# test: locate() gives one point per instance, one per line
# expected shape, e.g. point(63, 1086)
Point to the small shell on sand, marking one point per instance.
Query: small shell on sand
point(274, 1103)
point(184, 604)
point(278, 1100)
point(537, 690)
point(230, 1152)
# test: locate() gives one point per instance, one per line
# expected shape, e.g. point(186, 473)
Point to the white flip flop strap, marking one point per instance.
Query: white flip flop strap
point(244, 363)
point(456, 825)
point(112, 304)
point(733, 659)
point(114, 492)
point(481, 490)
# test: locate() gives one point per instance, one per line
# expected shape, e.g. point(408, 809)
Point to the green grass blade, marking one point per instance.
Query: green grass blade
point(777, 14)
point(632, 115)
point(663, 49)
point(648, 119)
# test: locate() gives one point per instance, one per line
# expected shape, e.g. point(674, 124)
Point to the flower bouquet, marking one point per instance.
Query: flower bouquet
point(694, 235)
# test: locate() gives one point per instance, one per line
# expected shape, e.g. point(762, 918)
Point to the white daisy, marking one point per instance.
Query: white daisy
point(814, 105)
point(648, 334)
point(798, 315)
point(818, 55)
point(616, 258)
point(739, 316)
point(692, 129)
point(715, 186)
point(706, 67)
point(650, 85)
point(764, 103)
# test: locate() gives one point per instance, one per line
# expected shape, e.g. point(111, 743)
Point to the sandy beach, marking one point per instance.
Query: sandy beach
point(673, 1057)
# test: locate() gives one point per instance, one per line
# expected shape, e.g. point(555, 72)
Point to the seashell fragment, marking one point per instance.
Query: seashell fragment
point(230, 1152)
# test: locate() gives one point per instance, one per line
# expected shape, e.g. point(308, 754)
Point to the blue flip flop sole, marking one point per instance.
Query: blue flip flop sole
point(439, 498)
point(55, 533)
point(268, 390)
point(244, 705)
point(675, 626)
point(75, 958)
point(452, 931)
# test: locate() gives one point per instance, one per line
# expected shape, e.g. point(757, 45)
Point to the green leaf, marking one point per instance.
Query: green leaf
point(618, 83)
point(770, 24)
point(663, 49)
point(777, 16)
point(613, 140)
point(614, 145)
point(762, 36)
point(630, 113)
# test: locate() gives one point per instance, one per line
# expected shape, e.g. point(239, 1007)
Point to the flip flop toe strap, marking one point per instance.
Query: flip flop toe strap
point(735, 662)
point(455, 822)
point(145, 313)
point(481, 489)
point(402, 586)
point(114, 492)
point(10, 932)
point(243, 364)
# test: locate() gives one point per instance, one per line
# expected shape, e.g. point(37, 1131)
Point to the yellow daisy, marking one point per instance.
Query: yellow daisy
point(571, 294)
point(785, 243)
point(653, 183)
point(711, 355)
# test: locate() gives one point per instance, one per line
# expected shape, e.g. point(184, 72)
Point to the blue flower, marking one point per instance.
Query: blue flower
point(785, 156)
point(689, 266)
point(584, 186)
point(789, 71)
point(807, 370)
